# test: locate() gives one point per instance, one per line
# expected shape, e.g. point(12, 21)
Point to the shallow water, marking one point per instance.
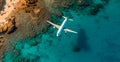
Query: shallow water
point(98, 40)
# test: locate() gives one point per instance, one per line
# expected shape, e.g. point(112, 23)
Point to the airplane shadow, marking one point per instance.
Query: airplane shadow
point(82, 40)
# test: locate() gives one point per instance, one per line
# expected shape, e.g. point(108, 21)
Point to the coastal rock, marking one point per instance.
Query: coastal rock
point(0, 4)
point(11, 25)
point(29, 21)
point(8, 27)
point(31, 1)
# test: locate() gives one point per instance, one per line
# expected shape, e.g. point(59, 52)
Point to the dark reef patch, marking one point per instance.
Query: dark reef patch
point(94, 9)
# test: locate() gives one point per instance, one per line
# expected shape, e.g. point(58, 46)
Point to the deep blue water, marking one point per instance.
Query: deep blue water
point(98, 40)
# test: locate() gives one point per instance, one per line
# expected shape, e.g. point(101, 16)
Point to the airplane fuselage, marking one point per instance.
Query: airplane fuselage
point(61, 27)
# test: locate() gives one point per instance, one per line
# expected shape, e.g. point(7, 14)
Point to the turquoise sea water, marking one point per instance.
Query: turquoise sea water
point(98, 40)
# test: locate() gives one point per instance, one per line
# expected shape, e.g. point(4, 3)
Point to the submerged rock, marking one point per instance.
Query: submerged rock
point(83, 3)
point(94, 9)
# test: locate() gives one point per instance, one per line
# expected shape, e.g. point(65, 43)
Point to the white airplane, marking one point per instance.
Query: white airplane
point(60, 28)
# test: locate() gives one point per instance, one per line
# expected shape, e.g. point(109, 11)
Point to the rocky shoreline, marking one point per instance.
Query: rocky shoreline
point(26, 20)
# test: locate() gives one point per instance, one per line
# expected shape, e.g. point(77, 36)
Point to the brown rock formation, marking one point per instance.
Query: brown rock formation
point(30, 19)
point(0, 4)
point(26, 20)
point(8, 27)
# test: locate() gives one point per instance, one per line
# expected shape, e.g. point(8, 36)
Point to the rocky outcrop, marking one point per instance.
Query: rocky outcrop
point(8, 27)
point(0, 4)
point(30, 20)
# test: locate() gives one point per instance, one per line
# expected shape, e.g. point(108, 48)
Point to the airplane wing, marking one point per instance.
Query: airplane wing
point(68, 30)
point(65, 29)
point(55, 25)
